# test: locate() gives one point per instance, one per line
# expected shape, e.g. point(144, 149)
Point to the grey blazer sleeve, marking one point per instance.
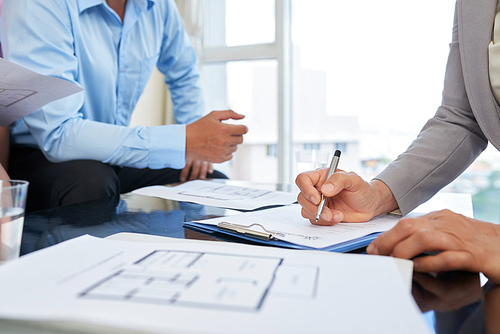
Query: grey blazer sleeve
point(445, 147)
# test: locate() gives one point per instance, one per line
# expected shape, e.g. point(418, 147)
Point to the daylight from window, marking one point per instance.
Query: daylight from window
point(366, 77)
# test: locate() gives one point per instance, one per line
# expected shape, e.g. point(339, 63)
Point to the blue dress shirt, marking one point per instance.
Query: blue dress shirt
point(85, 42)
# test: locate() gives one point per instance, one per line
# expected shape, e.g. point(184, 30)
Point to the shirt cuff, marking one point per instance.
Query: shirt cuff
point(167, 146)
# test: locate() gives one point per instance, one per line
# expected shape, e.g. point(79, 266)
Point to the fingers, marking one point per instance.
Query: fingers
point(309, 196)
point(413, 236)
point(225, 157)
point(328, 217)
point(445, 261)
point(385, 243)
point(208, 139)
point(195, 170)
point(200, 172)
point(230, 138)
point(232, 129)
point(223, 115)
point(308, 183)
point(341, 180)
point(236, 129)
point(424, 241)
point(346, 195)
point(185, 171)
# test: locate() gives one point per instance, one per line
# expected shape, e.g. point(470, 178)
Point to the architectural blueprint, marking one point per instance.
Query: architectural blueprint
point(192, 279)
point(220, 194)
point(23, 91)
point(188, 286)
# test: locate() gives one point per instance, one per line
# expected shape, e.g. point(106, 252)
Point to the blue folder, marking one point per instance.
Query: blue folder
point(342, 247)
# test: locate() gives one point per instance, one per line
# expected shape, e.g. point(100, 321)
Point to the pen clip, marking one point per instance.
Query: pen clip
point(246, 230)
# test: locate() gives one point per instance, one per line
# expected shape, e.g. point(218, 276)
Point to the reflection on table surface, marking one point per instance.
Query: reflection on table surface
point(451, 302)
point(102, 218)
point(455, 302)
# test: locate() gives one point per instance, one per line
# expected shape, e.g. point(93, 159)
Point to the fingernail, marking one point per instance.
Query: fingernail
point(313, 199)
point(336, 218)
point(325, 216)
point(375, 251)
point(327, 188)
point(369, 249)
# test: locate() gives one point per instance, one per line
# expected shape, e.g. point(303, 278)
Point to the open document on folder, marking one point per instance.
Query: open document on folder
point(206, 287)
point(285, 226)
point(218, 194)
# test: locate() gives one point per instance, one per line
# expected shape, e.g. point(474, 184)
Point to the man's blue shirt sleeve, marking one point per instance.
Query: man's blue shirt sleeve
point(89, 47)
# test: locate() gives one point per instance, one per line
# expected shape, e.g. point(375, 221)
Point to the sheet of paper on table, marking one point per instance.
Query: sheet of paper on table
point(405, 267)
point(289, 225)
point(206, 287)
point(22, 91)
point(219, 194)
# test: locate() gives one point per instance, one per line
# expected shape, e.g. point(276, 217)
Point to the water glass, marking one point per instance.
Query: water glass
point(311, 159)
point(13, 195)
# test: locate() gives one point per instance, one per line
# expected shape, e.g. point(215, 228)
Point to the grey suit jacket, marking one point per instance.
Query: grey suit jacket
point(467, 119)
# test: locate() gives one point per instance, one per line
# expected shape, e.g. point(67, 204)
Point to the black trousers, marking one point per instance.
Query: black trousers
point(57, 184)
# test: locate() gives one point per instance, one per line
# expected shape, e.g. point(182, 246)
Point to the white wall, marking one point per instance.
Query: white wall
point(151, 109)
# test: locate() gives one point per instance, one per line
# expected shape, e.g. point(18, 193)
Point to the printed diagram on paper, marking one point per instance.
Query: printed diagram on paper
point(9, 97)
point(214, 193)
point(227, 193)
point(207, 280)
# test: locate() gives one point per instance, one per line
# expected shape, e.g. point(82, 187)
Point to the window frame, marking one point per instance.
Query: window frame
point(281, 51)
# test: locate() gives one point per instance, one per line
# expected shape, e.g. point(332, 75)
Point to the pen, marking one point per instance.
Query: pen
point(331, 170)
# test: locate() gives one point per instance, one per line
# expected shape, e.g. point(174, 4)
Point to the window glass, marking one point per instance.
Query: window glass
point(366, 76)
point(236, 22)
point(380, 62)
point(249, 88)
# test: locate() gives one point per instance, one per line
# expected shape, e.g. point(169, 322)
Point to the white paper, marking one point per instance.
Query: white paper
point(289, 225)
point(23, 91)
point(219, 194)
point(405, 267)
point(206, 287)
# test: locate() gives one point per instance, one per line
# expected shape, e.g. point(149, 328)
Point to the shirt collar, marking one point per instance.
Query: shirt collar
point(144, 4)
point(86, 4)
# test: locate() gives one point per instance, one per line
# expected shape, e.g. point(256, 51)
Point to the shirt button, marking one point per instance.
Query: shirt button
point(123, 69)
point(167, 165)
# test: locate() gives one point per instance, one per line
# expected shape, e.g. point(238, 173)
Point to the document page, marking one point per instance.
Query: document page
point(204, 287)
point(219, 194)
point(289, 225)
point(23, 91)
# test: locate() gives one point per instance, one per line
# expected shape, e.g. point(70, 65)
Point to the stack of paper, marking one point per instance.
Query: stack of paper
point(206, 287)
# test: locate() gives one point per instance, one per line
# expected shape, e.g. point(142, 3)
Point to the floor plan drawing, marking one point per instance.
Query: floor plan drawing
point(9, 97)
point(198, 279)
point(226, 193)
point(140, 283)
point(214, 193)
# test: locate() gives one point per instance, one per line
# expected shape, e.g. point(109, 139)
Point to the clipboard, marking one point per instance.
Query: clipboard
point(270, 238)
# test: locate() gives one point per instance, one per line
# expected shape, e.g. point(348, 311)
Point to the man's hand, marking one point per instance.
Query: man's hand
point(208, 139)
point(348, 197)
point(195, 169)
point(457, 242)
